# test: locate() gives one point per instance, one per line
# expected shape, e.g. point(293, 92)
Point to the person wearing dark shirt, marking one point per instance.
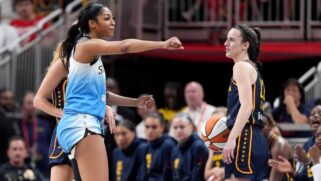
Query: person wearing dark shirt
point(157, 164)
point(16, 169)
point(189, 159)
point(127, 156)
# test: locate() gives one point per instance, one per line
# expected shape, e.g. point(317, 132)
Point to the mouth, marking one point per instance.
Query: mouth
point(315, 123)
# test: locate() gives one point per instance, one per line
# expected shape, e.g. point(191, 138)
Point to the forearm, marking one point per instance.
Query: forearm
point(118, 100)
point(296, 116)
point(135, 46)
point(45, 106)
point(241, 119)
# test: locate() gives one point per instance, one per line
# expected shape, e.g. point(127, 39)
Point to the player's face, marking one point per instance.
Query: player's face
point(318, 137)
point(17, 152)
point(315, 118)
point(153, 128)
point(182, 129)
point(105, 24)
point(123, 137)
point(234, 45)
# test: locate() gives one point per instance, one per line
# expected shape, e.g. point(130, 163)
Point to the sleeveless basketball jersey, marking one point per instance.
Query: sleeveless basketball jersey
point(86, 87)
point(58, 95)
point(233, 103)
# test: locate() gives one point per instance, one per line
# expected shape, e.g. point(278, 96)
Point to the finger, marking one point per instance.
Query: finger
point(229, 156)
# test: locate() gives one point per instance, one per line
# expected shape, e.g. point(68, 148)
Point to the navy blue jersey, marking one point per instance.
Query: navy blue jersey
point(157, 166)
point(233, 103)
point(56, 154)
point(58, 95)
point(189, 160)
point(305, 174)
point(126, 162)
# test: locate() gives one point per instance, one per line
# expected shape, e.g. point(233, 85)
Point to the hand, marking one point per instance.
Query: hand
point(301, 154)
point(217, 174)
point(173, 44)
point(146, 102)
point(315, 154)
point(281, 165)
point(288, 100)
point(110, 119)
point(228, 151)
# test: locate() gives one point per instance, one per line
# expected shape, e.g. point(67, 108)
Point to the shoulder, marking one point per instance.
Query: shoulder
point(170, 141)
point(199, 145)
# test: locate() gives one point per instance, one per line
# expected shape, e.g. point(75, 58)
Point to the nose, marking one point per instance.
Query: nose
point(225, 43)
point(113, 22)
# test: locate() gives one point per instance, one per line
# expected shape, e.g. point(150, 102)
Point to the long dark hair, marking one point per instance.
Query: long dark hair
point(90, 12)
point(253, 36)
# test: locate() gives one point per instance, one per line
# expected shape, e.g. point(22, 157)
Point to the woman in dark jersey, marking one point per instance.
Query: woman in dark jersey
point(246, 151)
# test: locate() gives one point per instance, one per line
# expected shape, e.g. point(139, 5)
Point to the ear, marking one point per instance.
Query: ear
point(245, 45)
point(92, 24)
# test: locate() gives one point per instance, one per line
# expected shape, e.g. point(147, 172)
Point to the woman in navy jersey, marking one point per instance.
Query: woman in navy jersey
point(246, 151)
point(189, 159)
point(128, 156)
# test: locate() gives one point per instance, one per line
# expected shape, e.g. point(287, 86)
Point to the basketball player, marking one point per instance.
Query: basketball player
point(246, 151)
point(80, 130)
point(55, 82)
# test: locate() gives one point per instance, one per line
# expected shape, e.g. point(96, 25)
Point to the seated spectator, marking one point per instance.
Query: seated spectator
point(291, 107)
point(16, 169)
point(302, 173)
point(128, 155)
point(197, 108)
point(8, 35)
point(36, 133)
point(190, 157)
point(157, 163)
point(173, 102)
point(143, 113)
point(7, 102)
point(26, 18)
point(278, 146)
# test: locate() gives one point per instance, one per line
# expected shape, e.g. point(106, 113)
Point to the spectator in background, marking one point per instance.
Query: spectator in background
point(7, 102)
point(197, 108)
point(8, 35)
point(128, 156)
point(36, 133)
point(16, 169)
point(190, 157)
point(173, 101)
point(157, 165)
point(26, 18)
point(291, 107)
point(143, 113)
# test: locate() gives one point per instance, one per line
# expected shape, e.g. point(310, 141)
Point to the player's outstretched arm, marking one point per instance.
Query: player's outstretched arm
point(142, 102)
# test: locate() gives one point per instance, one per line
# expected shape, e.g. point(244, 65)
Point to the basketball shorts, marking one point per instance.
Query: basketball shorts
point(73, 128)
point(250, 155)
point(56, 154)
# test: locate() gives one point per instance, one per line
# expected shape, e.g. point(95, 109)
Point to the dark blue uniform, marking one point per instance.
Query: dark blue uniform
point(126, 162)
point(251, 150)
point(56, 154)
point(157, 166)
point(189, 160)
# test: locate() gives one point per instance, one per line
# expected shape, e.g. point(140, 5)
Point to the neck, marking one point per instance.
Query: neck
point(241, 57)
point(197, 106)
point(92, 35)
point(29, 18)
point(16, 164)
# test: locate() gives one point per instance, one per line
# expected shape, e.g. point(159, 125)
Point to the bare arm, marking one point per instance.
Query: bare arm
point(208, 166)
point(142, 101)
point(98, 47)
point(55, 74)
point(243, 77)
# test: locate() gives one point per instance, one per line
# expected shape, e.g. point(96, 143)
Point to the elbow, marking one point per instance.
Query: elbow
point(36, 102)
point(247, 107)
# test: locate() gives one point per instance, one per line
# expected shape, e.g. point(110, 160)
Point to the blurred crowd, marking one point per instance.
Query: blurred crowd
point(163, 143)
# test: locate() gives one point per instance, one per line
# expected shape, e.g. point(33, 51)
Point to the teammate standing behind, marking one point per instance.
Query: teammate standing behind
point(246, 151)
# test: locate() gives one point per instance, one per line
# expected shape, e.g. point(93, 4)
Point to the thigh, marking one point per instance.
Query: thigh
point(91, 158)
point(61, 172)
